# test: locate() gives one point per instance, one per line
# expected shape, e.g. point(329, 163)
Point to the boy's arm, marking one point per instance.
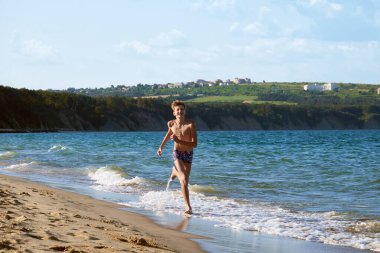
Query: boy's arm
point(165, 140)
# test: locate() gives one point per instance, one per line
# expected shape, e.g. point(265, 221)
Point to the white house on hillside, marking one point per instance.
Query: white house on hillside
point(318, 87)
point(329, 86)
point(175, 85)
point(313, 87)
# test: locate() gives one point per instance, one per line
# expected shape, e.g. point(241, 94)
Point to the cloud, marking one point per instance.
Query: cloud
point(377, 17)
point(329, 8)
point(133, 46)
point(37, 50)
point(263, 11)
point(294, 49)
point(234, 26)
point(276, 22)
point(255, 28)
point(171, 38)
point(165, 44)
point(335, 7)
point(215, 4)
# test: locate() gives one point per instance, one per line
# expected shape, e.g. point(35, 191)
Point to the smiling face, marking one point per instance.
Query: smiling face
point(179, 111)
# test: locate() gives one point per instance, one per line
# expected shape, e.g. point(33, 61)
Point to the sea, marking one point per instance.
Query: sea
point(319, 187)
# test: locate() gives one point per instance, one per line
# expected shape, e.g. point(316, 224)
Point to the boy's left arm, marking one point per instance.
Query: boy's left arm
point(194, 135)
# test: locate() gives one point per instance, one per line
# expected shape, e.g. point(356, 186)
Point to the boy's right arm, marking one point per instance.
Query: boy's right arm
point(166, 138)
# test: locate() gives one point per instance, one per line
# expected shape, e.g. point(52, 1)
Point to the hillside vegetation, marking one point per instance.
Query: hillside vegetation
point(347, 94)
point(235, 107)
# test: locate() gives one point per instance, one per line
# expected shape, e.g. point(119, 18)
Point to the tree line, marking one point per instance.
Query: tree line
point(348, 94)
point(24, 109)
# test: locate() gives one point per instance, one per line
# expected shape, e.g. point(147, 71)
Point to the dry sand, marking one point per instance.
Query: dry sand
point(37, 218)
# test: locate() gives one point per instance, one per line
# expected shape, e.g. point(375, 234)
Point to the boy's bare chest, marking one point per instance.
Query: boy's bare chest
point(181, 130)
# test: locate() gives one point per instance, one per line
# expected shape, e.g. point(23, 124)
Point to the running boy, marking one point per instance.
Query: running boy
point(183, 132)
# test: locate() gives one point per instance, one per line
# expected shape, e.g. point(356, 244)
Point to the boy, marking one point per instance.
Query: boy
point(183, 132)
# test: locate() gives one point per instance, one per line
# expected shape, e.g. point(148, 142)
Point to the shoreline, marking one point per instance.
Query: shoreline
point(36, 217)
point(15, 131)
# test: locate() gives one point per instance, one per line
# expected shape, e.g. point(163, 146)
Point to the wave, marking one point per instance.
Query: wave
point(113, 178)
point(7, 155)
point(369, 227)
point(203, 189)
point(59, 148)
point(21, 166)
point(329, 227)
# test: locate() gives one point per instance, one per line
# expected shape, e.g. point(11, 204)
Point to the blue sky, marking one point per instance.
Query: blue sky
point(47, 44)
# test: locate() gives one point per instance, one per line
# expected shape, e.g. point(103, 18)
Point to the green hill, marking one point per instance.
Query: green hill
point(271, 108)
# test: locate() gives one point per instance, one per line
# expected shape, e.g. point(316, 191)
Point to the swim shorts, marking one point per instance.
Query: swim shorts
point(184, 156)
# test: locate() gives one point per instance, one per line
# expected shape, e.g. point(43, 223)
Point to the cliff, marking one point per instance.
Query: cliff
point(25, 110)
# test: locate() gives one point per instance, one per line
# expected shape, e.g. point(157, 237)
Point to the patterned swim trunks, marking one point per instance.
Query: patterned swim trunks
point(184, 156)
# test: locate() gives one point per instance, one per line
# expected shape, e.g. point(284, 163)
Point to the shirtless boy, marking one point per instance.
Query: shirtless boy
point(183, 132)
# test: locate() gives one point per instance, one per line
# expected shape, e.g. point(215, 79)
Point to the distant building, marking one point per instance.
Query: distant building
point(175, 85)
point(238, 80)
point(228, 82)
point(313, 87)
point(329, 86)
point(318, 87)
point(378, 91)
point(201, 82)
point(218, 81)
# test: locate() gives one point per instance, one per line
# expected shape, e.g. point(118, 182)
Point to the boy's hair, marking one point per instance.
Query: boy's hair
point(178, 103)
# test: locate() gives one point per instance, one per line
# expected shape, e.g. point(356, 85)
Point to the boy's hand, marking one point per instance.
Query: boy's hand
point(159, 151)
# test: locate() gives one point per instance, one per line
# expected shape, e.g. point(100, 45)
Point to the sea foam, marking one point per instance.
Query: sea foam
point(22, 166)
point(326, 227)
point(59, 148)
point(7, 154)
point(113, 179)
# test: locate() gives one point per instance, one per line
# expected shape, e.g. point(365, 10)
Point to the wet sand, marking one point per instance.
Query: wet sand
point(38, 218)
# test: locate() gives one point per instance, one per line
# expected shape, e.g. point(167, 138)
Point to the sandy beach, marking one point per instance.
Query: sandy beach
point(37, 218)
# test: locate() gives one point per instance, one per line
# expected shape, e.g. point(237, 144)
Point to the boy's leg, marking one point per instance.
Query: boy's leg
point(188, 170)
point(184, 180)
point(174, 174)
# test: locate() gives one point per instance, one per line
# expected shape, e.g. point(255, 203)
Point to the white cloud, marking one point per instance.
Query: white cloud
point(263, 11)
point(314, 2)
point(277, 22)
point(343, 47)
point(171, 38)
point(215, 4)
point(377, 18)
point(234, 26)
point(330, 8)
point(255, 28)
point(169, 44)
point(38, 50)
point(134, 46)
point(335, 7)
point(291, 49)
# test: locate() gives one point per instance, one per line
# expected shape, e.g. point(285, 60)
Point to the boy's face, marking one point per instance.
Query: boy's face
point(179, 111)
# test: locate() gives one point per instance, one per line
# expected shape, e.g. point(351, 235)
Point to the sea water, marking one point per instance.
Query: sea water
point(318, 186)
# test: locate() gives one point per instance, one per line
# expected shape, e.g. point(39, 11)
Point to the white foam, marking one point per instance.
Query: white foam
point(203, 189)
point(328, 227)
point(57, 148)
point(21, 166)
point(7, 155)
point(111, 178)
